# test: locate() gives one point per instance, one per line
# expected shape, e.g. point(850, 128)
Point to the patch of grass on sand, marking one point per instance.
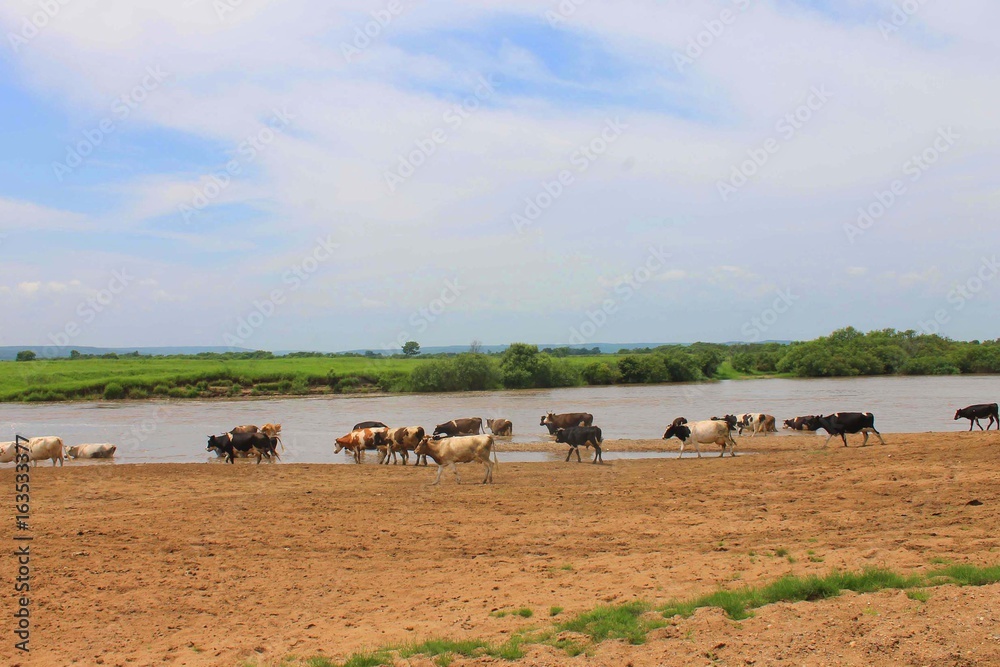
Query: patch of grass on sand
point(623, 621)
point(630, 621)
point(523, 612)
point(738, 603)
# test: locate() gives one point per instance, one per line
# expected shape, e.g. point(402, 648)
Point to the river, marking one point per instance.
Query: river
point(176, 431)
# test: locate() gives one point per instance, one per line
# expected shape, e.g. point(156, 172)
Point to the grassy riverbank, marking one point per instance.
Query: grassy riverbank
point(844, 353)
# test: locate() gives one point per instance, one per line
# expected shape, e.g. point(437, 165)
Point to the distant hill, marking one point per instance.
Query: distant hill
point(9, 352)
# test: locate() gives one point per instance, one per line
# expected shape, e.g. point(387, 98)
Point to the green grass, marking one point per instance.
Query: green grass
point(523, 612)
point(624, 621)
point(738, 603)
point(630, 621)
point(194, 377)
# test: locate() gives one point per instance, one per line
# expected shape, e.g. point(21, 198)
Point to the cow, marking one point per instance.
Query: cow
point(756, 423)
point(270, 430)
point(371, 424)
point(465, 449)
point(500, 426)
point(7, 452)
point(800, 423)
point(554, 422)
point(92, 451)
point(841, 423)
point(46, 447)
point(574, 436)
point(701, 433)
point(468, 426)
point(974, 412)
point(730, 420)
point(256, 444)
point(359, 440)
point(401, 440)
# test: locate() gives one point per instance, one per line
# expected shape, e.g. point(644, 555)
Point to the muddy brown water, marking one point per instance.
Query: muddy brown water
point(176, 431)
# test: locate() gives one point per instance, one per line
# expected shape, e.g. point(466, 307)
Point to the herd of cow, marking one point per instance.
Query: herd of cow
point(466, 440)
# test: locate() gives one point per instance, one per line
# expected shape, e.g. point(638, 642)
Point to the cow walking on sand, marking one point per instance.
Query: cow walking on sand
point(464, 449)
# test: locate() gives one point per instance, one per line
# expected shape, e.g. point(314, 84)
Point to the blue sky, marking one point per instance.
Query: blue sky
point(642, 171)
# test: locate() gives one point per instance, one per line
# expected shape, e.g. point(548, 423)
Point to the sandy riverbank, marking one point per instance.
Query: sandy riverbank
point(219, 565)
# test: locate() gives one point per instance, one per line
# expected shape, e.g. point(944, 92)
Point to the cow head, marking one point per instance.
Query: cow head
point(217, 443)
point(958, 414)
point(561, 435)
point(72, 451)
point(677, 430)
point(423, 446)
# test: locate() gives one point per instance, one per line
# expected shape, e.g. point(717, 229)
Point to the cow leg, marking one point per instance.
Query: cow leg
point(569, 453)
point(828, 440)
point(489, 471)
point(732, 446)
point(437, 478)
point(879, 435)
point(597, 454)
point(979, 424)
point(454, 468)
point(697, 448)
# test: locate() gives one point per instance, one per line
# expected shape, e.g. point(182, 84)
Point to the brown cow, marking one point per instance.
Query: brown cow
point(554, 422)
point(500, 426)
point(468, 426)
point(358, 441)
point(402, 441)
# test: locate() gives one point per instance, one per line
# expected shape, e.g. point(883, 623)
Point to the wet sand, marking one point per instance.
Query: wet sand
point(186, 564)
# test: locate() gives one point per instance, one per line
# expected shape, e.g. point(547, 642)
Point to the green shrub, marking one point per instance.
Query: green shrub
point(113, 391)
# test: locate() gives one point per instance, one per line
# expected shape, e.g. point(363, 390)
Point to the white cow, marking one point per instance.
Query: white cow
point(461, 449)
point(7, 452)
point(703, 432)
point(92, 451)
point(39, 449)
point(46, 447)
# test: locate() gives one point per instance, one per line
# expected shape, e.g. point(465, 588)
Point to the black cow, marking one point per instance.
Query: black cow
point(974, 412)
point(589, 436)
point(358, 427)
point(800, 423)
point(840, 423)
point(729, 419)
point(256, 443)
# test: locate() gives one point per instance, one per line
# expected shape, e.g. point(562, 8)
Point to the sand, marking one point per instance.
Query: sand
point(228, 565)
